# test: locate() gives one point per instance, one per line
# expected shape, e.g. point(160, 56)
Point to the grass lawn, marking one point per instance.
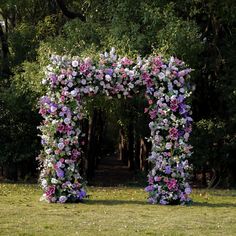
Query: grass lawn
point(115, 211)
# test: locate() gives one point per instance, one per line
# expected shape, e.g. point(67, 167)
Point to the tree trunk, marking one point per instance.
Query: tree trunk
point(131, 146)
point(70, 14)
point(123, 147)
point(92, 147)
point(5, 53)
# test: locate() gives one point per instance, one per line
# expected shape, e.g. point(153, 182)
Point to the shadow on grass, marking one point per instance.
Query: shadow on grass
point(114, 202)
point(130, 202)
point(214, 205)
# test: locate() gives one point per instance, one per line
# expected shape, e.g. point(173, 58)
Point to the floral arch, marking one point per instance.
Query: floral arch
point(70, 80)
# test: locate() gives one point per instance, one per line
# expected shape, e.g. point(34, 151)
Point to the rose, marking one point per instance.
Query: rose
point(61, 146)
point(75, 63)
point(62, 199)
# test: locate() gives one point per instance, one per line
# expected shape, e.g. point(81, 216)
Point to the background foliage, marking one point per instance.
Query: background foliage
point(198, 31)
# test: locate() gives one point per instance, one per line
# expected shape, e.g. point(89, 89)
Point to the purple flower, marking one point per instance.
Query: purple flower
point(153, 114)
point(168, 170)
point(181, 133)
point(188, 190)
point(149, 188)
point(109, 71)
point(182, 109)
point(60, 173)
point(152, 200)
point(163, 202)
point(81, 194)
point(62, 199)
point(180, 99)
point(53, 78)
point(53, 108)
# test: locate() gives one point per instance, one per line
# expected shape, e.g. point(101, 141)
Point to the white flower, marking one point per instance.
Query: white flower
point(161, 75)
point(186, 136)
point(108, 86)
point(70, 84)
point(44, 81)
point(67, 121)
point(44, 183)
point(48, 151)
point(113, 50)
point(83, 81)
point(62, 199)
point(53, 108)
point(86, 90)
point(108, 78)
point(54, 181)
point(131, 85)
point(74, 73)
point(54, 122)
point(168, 145)
point(173, 117)
point(73, 93)
point(75, 63)
point(43, 198)
point(60, 146)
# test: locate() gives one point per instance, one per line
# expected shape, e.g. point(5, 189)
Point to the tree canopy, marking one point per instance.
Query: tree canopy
point(198, 31)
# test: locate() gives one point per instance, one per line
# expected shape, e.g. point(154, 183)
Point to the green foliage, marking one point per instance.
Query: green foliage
point(18, 129)
point(212, 149)
point(200, 32)
point(22, 43)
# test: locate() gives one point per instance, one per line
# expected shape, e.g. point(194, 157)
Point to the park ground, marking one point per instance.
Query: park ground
point(115, 211)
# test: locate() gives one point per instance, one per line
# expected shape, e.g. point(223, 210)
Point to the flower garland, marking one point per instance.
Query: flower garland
point(69, 80)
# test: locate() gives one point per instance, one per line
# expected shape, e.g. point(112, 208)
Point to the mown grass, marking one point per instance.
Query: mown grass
point(115, 211)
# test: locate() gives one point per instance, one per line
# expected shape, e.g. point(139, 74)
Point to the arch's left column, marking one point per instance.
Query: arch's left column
point(60, 134)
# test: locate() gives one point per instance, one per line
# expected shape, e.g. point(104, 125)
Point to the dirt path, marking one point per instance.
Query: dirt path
point(112, 172)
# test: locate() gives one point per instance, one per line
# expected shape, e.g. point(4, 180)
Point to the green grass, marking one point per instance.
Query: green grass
point(115, 211)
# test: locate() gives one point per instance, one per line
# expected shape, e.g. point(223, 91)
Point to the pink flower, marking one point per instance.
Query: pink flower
point(126, 62)
point(153, 114)
point(60, 128)
point(173, 132)
point(174, 105)
point(84, 68)
point(172, 184)
point(157, 178)
point(50, 190)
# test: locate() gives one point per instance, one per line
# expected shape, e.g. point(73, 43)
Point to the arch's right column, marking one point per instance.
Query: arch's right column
point(168, 93)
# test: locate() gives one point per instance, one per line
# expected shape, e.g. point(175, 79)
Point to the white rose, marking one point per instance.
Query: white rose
point(48, 151)
point(161, 75)
point(75, 63)
point(70, 84)
point(83, 81)
point(108, 78)
point(60, 146)
point(44, 183)
point(73, 93)
point(67, 121)
point(54, 181)
point(74, 73)
point(168, 145)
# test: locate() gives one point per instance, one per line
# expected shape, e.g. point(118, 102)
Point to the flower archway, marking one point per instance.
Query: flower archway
point(70, 80)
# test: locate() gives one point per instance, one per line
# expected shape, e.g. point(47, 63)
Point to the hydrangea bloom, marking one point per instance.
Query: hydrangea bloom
point(69, 80)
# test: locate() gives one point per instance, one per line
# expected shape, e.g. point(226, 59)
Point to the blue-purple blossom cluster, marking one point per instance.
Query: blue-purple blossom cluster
point(69, 80)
